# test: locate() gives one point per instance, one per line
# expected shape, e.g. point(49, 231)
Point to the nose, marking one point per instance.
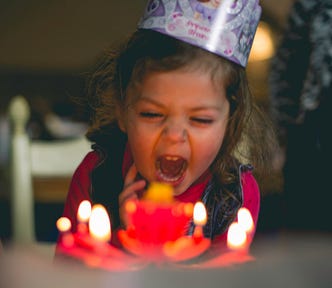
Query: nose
point(175, 131)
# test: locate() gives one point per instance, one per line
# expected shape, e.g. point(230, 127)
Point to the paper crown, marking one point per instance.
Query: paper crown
point(223, 27)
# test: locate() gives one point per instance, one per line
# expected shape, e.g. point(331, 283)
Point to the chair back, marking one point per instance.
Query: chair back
point(32, 159)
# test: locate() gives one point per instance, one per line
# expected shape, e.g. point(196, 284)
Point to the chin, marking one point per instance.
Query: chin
point(181, 188)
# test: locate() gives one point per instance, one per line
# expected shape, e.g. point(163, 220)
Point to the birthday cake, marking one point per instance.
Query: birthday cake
point(156, 233)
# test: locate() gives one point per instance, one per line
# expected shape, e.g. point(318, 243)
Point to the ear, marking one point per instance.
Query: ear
point(122, 125)
point(121, 120)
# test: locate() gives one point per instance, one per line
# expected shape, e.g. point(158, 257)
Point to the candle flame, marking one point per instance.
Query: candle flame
point(188, 209)
point(63, 224)
point(84, 211)
point(200, 214)
point(236, 236)
point(130, 207)
point(99, 223)
point(245, 220)
point(159, 193)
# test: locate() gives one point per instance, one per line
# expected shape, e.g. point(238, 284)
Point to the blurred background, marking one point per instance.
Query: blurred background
point(46, 49)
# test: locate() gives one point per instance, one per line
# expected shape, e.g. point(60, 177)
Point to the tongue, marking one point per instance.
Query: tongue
point(171, 168)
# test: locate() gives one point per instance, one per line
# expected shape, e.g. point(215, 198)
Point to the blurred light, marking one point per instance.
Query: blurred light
point(245, 219)
point(84, 211)
point(99, 223)
point(263, 46)
point(236, 236)
point(63, 224)
point(200, 214)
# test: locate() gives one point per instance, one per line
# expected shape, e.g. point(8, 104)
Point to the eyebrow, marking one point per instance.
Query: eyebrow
point(195, 109)
point(150, 100)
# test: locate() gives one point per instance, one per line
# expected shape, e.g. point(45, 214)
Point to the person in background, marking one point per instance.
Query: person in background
point(300, 91)
point(174, 109)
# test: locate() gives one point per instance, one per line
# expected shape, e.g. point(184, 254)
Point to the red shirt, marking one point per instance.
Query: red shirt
point(80, 189)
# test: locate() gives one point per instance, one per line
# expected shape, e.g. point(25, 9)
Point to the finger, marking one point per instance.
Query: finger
point(131, 175)
point(130, 192)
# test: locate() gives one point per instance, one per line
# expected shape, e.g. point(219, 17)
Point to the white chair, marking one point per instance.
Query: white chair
point(42, 159)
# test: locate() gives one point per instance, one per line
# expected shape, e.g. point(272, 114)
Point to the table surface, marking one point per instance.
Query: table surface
point(280, 260)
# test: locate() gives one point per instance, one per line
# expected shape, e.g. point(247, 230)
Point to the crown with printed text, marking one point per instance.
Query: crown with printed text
point(223, 27)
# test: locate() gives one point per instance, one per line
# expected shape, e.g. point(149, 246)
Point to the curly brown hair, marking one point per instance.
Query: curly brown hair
point(249, 135)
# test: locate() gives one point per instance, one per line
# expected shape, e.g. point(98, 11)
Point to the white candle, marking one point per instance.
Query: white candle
point(99, 224)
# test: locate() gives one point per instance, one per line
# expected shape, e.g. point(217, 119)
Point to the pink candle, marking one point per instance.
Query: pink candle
point(99, 231)
point(66, 237)
point(83, 215)
point(240, 233)
point(200, 219)
point(236, 237)
point(245, 219)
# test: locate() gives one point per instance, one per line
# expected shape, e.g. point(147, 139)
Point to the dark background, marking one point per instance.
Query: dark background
point(46, 48)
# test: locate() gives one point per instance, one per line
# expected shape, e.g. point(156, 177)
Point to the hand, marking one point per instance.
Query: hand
point(130, 192)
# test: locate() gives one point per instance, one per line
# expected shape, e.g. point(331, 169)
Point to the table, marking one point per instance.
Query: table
point(281, 260)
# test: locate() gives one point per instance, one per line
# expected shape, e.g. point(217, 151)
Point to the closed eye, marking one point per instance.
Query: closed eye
point(202, 120)
point(150, 115)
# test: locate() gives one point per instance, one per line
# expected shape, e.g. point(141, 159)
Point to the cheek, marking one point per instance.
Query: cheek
point(139, 137)
point(209, 150)
point(141, 155)
point(208, 147)
point(141, 145)
point(138, 144)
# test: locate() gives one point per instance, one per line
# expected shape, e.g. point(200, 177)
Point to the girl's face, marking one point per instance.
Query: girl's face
point(176, 127)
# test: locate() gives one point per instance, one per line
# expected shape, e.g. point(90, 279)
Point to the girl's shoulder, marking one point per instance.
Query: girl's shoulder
point(248, 181)
point(250, 192)
point(91, 157)
point(88, 163)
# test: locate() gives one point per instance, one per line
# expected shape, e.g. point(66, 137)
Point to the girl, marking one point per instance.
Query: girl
point(165, 110)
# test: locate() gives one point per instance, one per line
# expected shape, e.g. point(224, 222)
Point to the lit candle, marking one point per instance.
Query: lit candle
point(64, 225)
point(236, 237)
point(99, 224)
point(83, 215)
point(200, 219)
point(245, 220)
point(187, 247)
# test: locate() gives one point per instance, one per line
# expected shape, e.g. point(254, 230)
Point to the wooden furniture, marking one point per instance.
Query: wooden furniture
point(40, 171)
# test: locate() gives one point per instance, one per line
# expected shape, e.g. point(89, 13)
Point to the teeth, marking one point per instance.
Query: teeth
point(171, 171)
point(169, 179)
point(172, 158)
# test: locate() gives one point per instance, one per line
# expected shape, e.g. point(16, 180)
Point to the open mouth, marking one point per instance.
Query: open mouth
point(171, 168)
